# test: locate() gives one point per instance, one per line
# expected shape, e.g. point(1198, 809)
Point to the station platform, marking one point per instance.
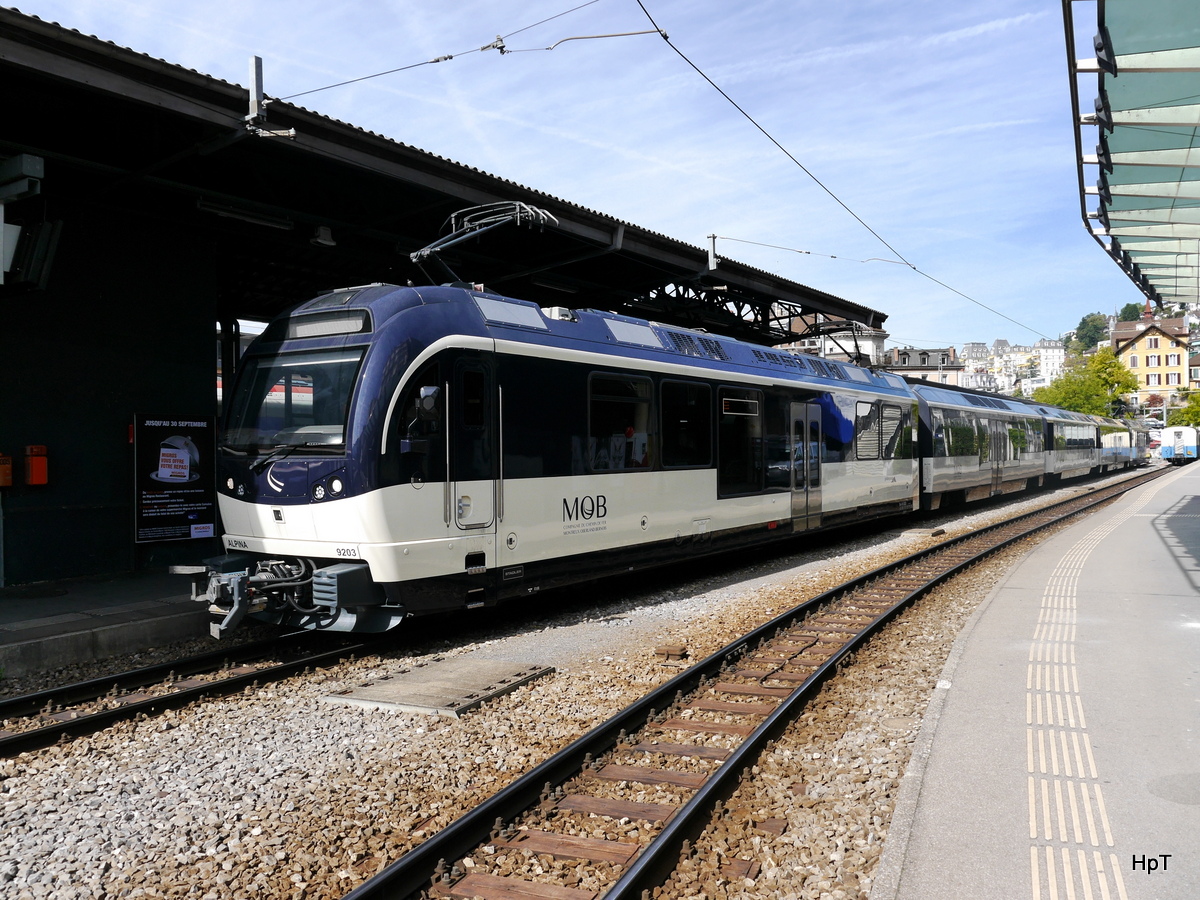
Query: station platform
point(52, 624)
point(1059, 758)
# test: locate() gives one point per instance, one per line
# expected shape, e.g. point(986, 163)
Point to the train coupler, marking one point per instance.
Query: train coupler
point(227, 593)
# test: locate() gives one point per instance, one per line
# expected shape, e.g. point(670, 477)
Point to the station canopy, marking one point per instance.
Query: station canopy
point(1140, 189)
point(291, 203)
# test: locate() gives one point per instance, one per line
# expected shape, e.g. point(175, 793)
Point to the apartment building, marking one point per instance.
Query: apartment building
point(940, 365)
point(1156, 351)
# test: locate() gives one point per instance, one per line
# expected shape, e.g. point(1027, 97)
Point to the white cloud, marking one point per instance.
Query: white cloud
point(982, 28)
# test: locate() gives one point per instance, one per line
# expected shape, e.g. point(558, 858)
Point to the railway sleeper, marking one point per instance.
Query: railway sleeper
point(649, 775)
point(832, 630)
point(612, 808)
point(499, 887)
point(706, 727)
point(798, 677)
point(696, 751)
point(753, 690)
point(741, 868)
point(739, 708)
point(753, 674)
point(570, 846)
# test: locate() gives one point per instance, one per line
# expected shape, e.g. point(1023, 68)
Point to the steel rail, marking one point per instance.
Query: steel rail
point(96, 688)
point(89, 723)
point(414, 872)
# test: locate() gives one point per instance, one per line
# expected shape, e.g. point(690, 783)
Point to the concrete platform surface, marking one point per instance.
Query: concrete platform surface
point(445, 687)
point(52, 624)
point(1060, 756)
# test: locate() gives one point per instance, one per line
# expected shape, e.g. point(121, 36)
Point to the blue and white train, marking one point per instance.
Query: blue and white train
point(395, 451)
point(1179, 444)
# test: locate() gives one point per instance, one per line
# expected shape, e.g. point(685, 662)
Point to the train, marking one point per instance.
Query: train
point(389, 452)
point(1179, 444)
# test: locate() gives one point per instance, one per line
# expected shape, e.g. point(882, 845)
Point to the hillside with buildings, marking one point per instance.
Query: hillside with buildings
point(1162, 351)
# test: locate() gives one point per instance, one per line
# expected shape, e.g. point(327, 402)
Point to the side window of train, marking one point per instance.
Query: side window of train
point(895, 431)
point(1075, 437)
point(686, 424)
point(962, 436)
point(473, 455)
point(620, 422)
point(837, 427)
point(937, 423)
point(543, 416)
point(1033, 435)
point(416, 449)
point(777, 441)
point(1018, 438)
point(866, 430)
point(740, 442)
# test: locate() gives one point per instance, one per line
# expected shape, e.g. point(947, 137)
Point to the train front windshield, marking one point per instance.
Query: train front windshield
point(294, 399)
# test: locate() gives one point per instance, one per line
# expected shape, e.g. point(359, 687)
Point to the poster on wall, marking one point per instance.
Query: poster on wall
point(173, 478)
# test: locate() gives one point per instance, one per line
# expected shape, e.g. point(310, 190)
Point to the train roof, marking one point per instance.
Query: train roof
point(965, 398)
point(506, 318)
point(951, 395)
point(367, 308)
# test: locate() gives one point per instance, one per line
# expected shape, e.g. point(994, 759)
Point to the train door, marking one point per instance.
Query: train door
point(999, 452)
point(473, 445)
point(806, 443)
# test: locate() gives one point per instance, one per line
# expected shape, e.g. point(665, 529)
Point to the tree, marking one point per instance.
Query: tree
point(1113, 373)
point(1094, 387)
point(1188, 414)
point(1130, 312)
point(1154, 407)
point(1092, 328)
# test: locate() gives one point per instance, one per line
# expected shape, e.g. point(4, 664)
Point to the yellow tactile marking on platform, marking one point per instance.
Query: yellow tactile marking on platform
point(1066, 803)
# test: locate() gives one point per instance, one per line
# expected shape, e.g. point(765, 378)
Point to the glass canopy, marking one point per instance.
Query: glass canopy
point(1140, 189)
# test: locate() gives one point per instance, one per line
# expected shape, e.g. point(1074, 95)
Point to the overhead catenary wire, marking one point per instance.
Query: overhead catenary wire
point(899, 256)
point(722, 237)
point(881, 259)
point(581, 37)
point(497, 44)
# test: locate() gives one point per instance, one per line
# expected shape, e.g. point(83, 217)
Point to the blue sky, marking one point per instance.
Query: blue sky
point(944, 125)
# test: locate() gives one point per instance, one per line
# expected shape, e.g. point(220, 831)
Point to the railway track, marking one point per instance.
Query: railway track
point(613, 814)
point(34, 721)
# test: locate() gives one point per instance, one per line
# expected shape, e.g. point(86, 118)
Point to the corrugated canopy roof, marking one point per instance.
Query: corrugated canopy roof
point(1140, 189)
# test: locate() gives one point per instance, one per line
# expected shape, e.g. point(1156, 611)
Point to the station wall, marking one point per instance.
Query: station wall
point(124, 327)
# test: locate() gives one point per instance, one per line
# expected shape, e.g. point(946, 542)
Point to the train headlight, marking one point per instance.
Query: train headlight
point(229, 483)
point(335, 485)
point(319, 492)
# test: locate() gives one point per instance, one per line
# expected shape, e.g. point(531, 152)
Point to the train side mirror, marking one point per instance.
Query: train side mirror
point(427, 403)
point(426, 409)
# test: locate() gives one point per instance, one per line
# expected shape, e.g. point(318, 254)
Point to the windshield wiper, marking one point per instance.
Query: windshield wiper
point(279, 452)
